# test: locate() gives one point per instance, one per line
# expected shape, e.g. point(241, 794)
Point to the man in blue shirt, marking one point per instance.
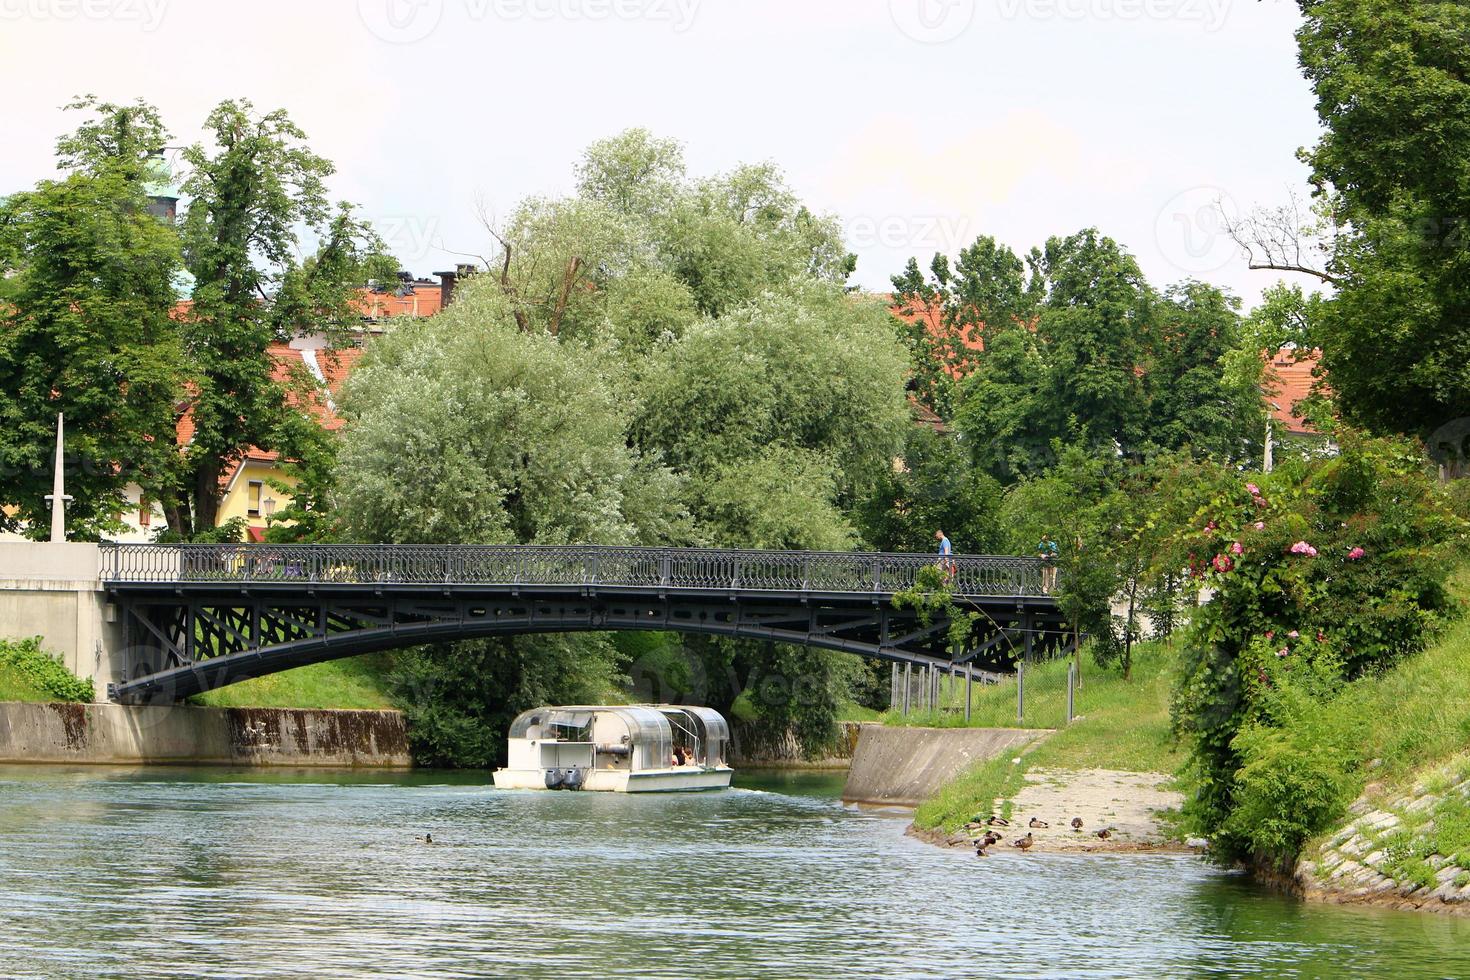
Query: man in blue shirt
point(946, 559)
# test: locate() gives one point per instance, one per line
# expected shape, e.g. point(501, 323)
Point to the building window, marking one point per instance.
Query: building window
point(252, 497)
point(145, 511)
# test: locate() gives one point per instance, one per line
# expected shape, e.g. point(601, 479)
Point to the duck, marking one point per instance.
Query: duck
point(1039, 824)
point(995, 821)
point(1104, 834)
point(990, 838)
point(1024, 843)
point(1076, 823)
point(426, 839)
point(980, 851)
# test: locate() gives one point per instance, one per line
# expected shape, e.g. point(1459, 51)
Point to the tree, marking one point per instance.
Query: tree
point(1392, 82)
point(1193, 403)
point(988, 292)
point(811, 370)
point(86, 329)
point(934, 487)
point(248, 196)
point(522, 441)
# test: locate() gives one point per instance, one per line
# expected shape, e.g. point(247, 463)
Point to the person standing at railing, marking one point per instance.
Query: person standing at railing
point(1047, 551)
point(946, 554)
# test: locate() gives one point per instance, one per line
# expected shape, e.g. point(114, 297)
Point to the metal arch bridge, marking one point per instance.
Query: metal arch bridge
point(199, 617)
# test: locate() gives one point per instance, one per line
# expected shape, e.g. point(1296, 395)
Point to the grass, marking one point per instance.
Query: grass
point(356, 682)
point(29, 673)
point(16, 686)
point(1122, 725)
point(1419, 712)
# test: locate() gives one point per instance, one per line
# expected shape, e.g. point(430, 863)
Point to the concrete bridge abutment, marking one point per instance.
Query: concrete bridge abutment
point(55, 591)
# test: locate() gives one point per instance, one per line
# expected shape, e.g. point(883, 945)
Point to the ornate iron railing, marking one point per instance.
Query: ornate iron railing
point(576, 565)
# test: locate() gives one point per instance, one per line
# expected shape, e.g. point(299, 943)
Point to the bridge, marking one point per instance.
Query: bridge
point(198, 617)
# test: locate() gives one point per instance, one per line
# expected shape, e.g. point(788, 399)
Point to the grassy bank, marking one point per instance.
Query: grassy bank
point(29, 673)
point(15, 686)
point(1417, 714)
point(356, 682)
point(1122, 725)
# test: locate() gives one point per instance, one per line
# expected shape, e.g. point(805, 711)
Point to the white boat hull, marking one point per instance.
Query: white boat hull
point(684, 779)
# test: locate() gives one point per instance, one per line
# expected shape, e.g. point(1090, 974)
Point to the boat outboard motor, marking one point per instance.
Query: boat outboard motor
point(574, 779)
point(553, 779)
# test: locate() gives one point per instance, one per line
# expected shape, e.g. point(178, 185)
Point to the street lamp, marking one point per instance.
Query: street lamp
point(270, 506)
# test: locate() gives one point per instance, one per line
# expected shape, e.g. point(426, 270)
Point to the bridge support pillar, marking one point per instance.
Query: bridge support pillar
point(53, 590)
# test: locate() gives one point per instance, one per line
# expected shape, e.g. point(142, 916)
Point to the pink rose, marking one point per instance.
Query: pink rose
point(1302, 548)
point(1237, 548)
point(1294, 634)
point(1223, 563)
point(1255, 491)
point(1355, 554)
point(1282, 652)
point(1260, 525)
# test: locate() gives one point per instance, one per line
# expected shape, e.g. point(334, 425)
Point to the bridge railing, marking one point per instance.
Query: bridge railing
point(579, 565)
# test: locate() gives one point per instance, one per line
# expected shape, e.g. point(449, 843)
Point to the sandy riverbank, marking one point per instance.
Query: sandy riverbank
point(1127, 804)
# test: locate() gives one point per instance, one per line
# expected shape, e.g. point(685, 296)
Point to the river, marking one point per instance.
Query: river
point(213, 873)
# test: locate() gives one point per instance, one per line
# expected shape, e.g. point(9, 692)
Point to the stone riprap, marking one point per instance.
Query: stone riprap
point(1387, 852)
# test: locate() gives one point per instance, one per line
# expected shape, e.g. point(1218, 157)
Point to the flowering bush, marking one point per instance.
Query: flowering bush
point(1341, 570)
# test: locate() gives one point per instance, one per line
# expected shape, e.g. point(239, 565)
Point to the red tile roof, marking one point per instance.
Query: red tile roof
point(1289, 379)
point(957, 358)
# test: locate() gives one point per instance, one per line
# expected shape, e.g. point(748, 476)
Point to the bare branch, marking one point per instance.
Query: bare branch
point(1281, 238)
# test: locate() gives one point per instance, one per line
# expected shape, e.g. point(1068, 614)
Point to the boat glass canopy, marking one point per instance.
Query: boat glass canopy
point(563, 724)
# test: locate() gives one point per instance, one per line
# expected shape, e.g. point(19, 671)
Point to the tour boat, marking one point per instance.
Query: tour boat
point(618, 749)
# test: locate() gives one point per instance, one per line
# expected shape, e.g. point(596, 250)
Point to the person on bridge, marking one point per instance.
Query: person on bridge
point(1047, 551)
point(946, 554)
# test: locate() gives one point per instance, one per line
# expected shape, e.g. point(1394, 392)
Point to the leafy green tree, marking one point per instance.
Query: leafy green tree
point(522, 441)
point(987, 292)
point(811, 369)
point(1392, 82)
point(1193, 403)
point(249, 196)
point(85, 329)
point(934, 487)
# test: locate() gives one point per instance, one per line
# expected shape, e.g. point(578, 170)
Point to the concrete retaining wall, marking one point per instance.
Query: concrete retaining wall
point(52, 591)
point(906, 766)
point(120, 734)
point(783, 752)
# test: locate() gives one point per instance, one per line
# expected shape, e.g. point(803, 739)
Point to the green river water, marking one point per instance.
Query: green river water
point(214, 873)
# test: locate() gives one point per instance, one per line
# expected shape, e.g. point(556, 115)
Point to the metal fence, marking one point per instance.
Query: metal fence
point(579, 565)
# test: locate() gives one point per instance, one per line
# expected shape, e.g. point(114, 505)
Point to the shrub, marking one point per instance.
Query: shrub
point(1327, 571)
point(46, 672)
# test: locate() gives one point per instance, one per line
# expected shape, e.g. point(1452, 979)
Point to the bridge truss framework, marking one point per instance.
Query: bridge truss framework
point(200, 617)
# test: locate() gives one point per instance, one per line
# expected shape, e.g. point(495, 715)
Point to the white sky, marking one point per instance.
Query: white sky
point(920, 123)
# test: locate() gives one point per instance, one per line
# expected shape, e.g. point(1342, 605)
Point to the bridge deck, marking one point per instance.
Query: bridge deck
point(200, 616)
point(703, 570)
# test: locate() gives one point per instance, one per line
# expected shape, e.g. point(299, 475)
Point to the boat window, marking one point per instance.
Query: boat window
point(528, 720)
point(712, 732)
point(650, 737)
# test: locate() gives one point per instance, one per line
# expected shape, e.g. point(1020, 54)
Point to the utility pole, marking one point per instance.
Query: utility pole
point(58, 496)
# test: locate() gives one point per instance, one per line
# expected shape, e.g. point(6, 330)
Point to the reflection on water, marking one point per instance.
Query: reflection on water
point(227, 873)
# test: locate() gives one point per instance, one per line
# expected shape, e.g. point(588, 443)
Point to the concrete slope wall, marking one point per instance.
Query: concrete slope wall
point(120, 734)
point(906, 766)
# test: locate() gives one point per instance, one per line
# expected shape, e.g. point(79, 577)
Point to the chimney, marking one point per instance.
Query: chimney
point(448, 280)
point(446, 288)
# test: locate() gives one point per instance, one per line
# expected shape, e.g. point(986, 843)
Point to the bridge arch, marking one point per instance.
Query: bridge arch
point(202, 617)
